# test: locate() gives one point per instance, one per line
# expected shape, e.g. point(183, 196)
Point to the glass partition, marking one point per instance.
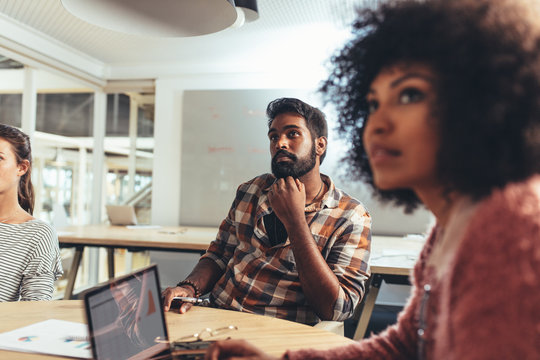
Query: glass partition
point(62, 153)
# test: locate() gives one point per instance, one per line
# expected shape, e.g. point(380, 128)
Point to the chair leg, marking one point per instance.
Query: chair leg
point(110, 260)
point(68, 293)
point(366, 308)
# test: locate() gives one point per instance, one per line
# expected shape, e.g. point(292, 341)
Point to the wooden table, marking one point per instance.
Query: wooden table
point(177, 238)
point(274, 336)
point(392, 260)
point(392, 257)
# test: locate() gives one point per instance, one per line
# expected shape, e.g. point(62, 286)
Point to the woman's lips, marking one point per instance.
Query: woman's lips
point(379, 154)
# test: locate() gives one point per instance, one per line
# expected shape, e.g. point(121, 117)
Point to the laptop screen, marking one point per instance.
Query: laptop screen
point(125, 317)
point(121, 214)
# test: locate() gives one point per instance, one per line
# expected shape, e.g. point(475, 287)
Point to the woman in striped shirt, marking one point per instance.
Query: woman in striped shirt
point(29, 253)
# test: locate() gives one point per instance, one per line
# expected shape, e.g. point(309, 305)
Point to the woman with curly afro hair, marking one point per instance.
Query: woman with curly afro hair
point(440, 101)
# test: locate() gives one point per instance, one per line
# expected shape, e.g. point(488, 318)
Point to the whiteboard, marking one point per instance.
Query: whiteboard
point(225, 143)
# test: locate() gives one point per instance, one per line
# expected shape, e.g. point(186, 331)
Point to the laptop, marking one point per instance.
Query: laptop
point(125, 317)
point(126, 320)
point(121, 214)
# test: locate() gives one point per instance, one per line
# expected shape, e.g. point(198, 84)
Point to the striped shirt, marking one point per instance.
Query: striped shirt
point(29, 261)
point(262, 279)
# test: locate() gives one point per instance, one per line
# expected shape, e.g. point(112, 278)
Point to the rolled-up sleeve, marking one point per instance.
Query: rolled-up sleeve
point(222, 248)
point(349, 260)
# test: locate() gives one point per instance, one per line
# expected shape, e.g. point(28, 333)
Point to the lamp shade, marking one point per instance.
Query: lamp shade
point(163, 18)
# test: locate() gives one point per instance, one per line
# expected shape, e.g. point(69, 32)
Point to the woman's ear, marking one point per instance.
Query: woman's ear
point(320, 146)
point(23, 166)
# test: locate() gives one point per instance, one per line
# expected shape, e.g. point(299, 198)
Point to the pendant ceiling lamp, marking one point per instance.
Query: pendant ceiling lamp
point(162, 18)
point(249, 7)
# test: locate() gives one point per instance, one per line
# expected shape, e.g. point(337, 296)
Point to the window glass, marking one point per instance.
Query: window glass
point(62, 153)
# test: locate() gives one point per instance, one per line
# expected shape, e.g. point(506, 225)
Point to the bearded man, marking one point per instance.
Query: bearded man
point(292, 246)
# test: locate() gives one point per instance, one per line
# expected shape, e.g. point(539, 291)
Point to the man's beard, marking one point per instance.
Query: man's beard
point(295, 168)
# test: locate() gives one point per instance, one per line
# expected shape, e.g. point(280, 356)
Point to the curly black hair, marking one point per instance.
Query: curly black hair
point(315, 118)
point(486, 54)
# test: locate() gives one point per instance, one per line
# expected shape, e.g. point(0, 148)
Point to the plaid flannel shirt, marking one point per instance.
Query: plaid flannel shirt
point(262, 279)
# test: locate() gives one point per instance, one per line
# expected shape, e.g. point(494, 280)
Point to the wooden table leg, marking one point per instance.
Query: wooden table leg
point(367, 308)
point(72, 276)
point(110, 258)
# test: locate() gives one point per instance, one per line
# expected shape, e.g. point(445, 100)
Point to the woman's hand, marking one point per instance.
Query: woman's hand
point(235, 349)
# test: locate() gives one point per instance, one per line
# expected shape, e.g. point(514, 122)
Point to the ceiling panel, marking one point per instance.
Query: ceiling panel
point(298, 30)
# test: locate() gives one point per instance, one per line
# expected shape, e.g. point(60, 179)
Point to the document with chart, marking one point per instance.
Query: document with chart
point(54, 337)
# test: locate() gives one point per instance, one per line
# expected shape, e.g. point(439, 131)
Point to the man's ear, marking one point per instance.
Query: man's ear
point(320, 145)
point(23, 167)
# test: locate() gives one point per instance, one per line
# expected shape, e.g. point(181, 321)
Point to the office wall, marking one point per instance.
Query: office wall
point(169, 105)
point(224, 143)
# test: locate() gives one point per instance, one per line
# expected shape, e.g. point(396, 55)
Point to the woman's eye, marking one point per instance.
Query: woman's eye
point(372, 106)
point(410, 95)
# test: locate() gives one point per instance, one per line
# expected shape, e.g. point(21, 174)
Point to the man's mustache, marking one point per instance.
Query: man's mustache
point(286, 153)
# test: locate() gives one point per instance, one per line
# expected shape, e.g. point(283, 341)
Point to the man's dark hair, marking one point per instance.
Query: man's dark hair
point(315, 119)
point(486, 55)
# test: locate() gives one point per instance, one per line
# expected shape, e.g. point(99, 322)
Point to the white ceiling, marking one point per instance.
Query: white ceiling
point(290, 35)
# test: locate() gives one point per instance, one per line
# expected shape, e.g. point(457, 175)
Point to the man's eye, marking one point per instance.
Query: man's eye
point(294, 133)
point(272, 137)
point(372, 106)
point(410, 95)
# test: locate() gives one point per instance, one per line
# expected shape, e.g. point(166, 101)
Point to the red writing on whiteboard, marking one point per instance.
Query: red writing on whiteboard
point(257, 150)
point(212, 149)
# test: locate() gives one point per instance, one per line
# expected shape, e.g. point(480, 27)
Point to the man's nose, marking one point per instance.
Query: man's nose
point(282, 143)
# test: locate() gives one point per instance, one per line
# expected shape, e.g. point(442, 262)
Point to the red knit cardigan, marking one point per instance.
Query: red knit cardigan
point(487, 303)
